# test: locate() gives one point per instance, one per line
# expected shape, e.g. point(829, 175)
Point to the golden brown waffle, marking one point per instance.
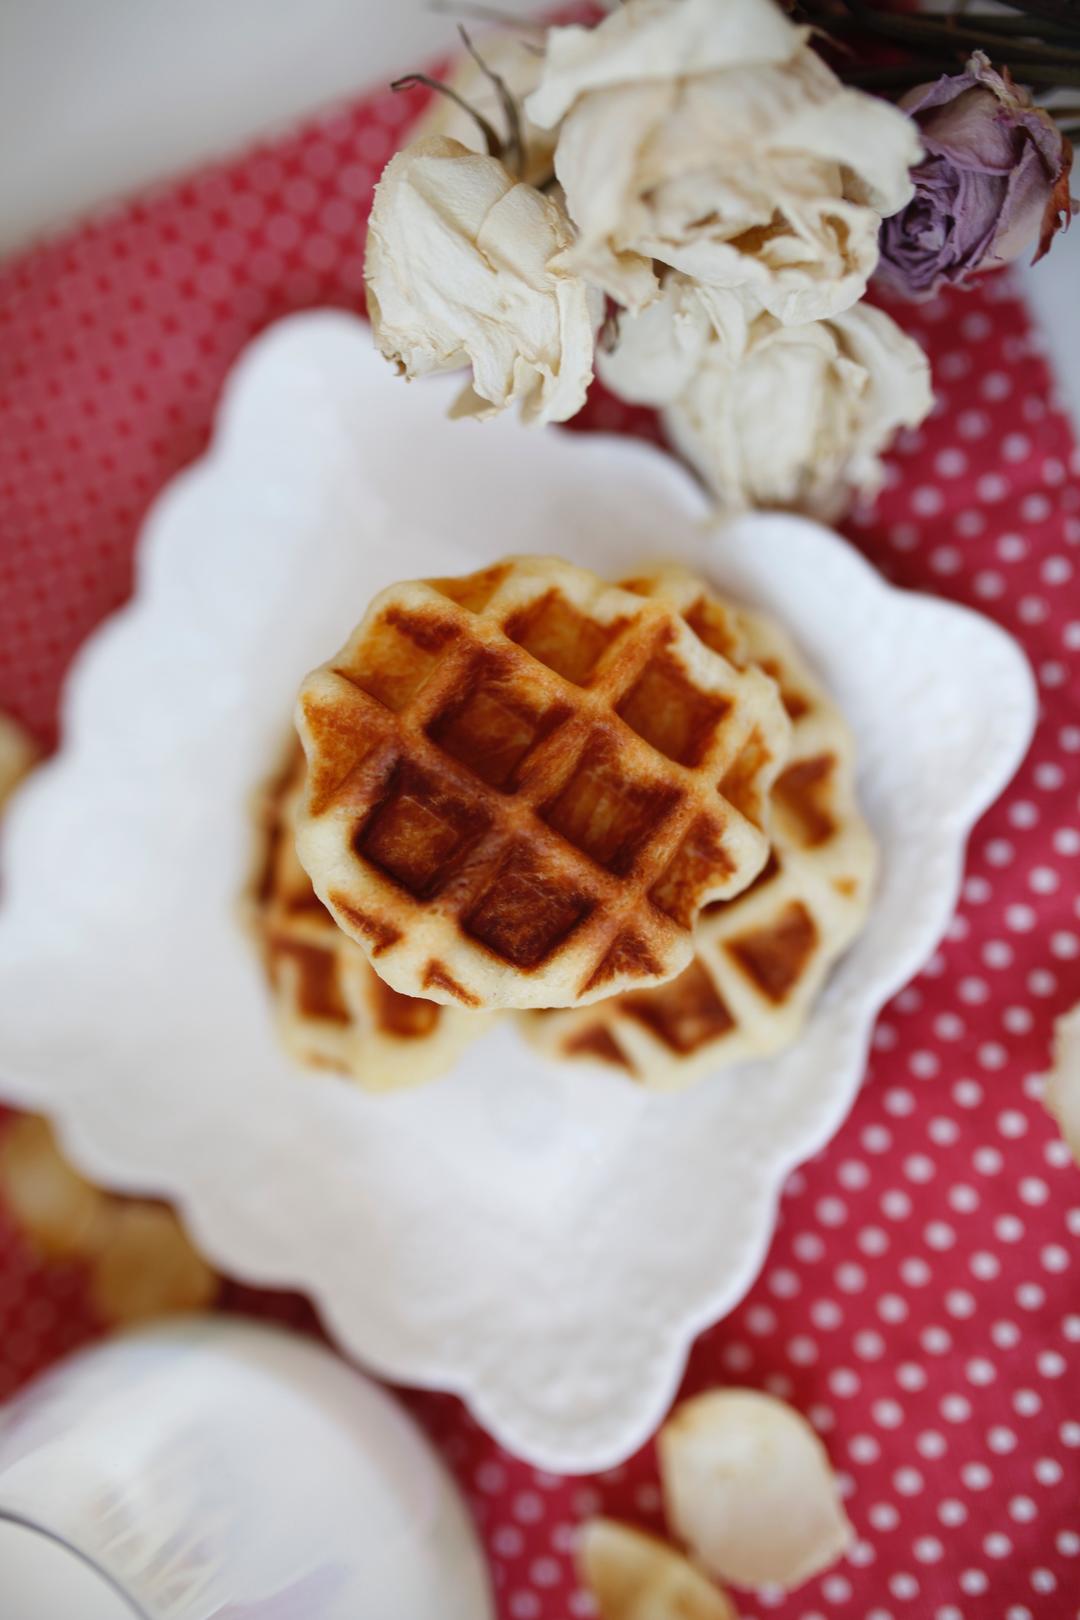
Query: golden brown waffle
point(332, 1009)
point(523, 785)
point(760, 959)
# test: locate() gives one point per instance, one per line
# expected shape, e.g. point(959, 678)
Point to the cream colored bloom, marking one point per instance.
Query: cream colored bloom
point(1062, 1095)
point(771, 415)
point(708, 135)
point(516, 56)
point(461, 270)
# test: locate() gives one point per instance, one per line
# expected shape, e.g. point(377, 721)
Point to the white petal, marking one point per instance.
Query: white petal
point(658, 39)
point(634, 1576)
point(1062, 1096)
point(749, 1487)
point(465, 265)
point(659, 351)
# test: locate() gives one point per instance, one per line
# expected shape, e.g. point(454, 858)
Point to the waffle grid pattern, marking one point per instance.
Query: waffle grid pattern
point(513, 785)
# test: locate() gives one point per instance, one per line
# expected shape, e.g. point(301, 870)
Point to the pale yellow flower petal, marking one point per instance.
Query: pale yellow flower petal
point(464, 268)
point(749, 1488)
point(634, 1576)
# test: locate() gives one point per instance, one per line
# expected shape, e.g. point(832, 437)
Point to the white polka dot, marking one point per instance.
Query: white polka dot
point(802, 1350)
point(960, 1303)
point(1022, 1509)
point(1026, 1403)
point(760, 1319)
point(1001, 1440)
point(863, 1448)
point(984, 1265)
point(1020, 919)
point(853, 1174)
point(872, 1240)
point(887, 1414)
point(1033, 1190)
point(989, 584)
point(987, 1161)
point(808, 1246)
point(1067, 1543)
point(883, 1516)
point(955, 1408)
point(974, 1582)
point(1030, 1297)
point(1006, 1335)
point(899, 1102)
point(1044, 1580)
point(937, 1341)
point(931, 1444)
point(850, 1278)
point(903, 1585)
point(1009, 1228)
point(908, 1481)
point(997, 1545)
point(892, 1308)
point(784, 1283)
point(943, 1130)
point(1054, 1257)
point(844, 1382)
point(869, 1346)
point(831, 1211)
point(951, 1512)
point(968, 1093)
point(1048, 1471)
point(939, 1235)
point(915, 1272)
point(980, 1371)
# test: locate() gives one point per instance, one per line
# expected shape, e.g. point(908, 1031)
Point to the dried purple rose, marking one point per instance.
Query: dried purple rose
point(995, 177)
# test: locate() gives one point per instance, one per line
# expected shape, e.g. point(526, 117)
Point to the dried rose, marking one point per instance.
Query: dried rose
point(712, 138)
point(995, 179)
point(462, 269)
point(516, 57)
point(771, 415)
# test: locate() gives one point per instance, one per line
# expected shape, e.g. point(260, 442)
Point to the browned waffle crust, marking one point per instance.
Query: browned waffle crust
point(762, 957)
point(523, 785)
point(331, 1008)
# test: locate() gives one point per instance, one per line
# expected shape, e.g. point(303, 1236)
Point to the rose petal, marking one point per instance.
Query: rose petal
point(658, 39)
point(634, 1576)
point(18, 755)
point(1062, 1095)
point(56, 1209)
point(465, 265)
point(749, 1487)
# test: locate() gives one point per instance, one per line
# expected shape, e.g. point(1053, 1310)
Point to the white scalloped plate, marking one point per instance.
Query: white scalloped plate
point(546, 1243)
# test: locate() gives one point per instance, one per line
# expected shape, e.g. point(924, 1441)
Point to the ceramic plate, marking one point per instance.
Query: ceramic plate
point(545, 1242)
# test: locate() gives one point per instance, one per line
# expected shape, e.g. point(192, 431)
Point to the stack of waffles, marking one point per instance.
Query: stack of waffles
point(626, 812)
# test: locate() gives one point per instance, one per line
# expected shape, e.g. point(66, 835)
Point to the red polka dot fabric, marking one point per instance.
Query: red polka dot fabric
point(920, 1299)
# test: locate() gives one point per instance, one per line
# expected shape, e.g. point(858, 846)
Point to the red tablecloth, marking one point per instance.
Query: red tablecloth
point(920, 1299)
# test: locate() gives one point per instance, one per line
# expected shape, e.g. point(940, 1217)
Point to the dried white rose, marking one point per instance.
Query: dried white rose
point(1062, 1096)
point(461, 270)
point(712, 138)
point(771, 415)
point(749, 1488)
point(516, 57)
point(634, 1576)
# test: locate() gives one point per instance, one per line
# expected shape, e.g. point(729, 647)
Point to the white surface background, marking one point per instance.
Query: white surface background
point(100, 96)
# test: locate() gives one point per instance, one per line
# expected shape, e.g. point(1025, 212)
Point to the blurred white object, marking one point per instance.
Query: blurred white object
point(215, 1464)
point(545, 1244)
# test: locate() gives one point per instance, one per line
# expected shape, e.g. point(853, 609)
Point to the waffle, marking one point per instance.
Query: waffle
point(523, 784)
point(761, 959)
point(332, 1009)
